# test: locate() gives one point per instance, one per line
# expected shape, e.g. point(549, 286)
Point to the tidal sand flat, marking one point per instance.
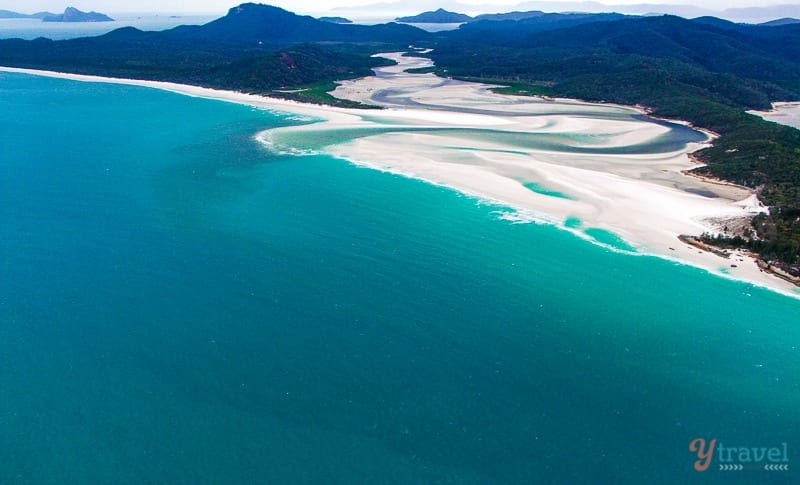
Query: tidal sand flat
point(593, 166)
point(593, 169)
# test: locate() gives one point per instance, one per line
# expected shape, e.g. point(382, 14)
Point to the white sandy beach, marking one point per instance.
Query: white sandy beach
point(783, 113)
point(491, 146)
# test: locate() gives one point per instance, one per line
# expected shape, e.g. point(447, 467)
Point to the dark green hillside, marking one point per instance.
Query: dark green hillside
point(501, 31)
point(764, 53)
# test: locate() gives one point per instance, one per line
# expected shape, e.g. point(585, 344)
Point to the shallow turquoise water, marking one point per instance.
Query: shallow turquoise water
point(179, 305)
point(541, 189)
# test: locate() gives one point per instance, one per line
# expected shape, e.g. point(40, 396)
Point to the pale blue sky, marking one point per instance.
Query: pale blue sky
point(309, 6)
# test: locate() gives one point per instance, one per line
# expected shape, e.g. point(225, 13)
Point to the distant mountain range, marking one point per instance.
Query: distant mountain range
point(543, 21)
point(443, 16)
point(510, 15)
point(70, 14)
point(409, 7)
point(440, 16)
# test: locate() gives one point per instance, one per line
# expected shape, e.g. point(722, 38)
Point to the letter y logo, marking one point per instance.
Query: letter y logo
point(698, 445)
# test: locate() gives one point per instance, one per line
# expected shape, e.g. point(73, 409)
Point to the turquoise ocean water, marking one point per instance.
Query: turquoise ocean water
point(179, 305)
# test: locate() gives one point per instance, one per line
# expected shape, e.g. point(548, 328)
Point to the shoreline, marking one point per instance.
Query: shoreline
point(782, 112)
point(609, 194)
point(237, 97)
point(711, 180)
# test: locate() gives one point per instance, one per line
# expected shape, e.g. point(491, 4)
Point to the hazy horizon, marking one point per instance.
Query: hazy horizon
point(308, 6)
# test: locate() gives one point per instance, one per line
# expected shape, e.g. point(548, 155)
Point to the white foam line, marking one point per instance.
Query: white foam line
point(629, 195)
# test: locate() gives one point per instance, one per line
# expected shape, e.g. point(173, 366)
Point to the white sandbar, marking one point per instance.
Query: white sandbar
point(494, 147)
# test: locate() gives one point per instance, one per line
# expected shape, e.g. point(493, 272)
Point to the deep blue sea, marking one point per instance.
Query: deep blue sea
point(180, 305)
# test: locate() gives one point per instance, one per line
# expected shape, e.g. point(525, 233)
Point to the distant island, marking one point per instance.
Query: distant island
point(335, 20)
point(72, 14)
point(7, 14)
point(440, 16)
